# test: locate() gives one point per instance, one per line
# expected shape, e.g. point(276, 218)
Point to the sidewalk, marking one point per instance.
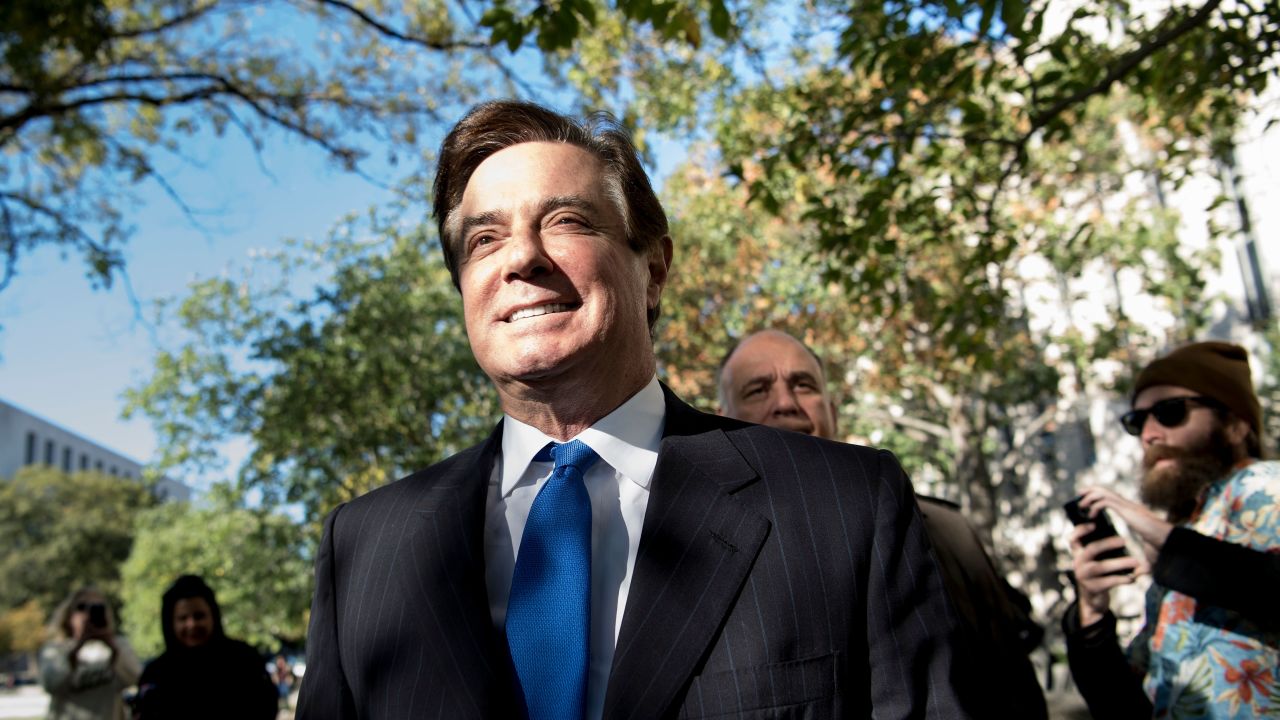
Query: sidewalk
point(25, 702)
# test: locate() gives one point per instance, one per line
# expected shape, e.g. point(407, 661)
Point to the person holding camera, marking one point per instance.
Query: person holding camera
point(202, 674)
point(1210, 647)
point(85, 667)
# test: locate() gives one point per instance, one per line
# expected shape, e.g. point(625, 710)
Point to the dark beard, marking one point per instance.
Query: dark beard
point(1176, 488)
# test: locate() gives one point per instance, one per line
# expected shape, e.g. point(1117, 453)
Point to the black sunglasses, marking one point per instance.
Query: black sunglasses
point(86, 606)
point(1170, 412)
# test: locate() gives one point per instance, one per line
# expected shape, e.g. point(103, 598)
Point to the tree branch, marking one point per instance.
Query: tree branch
point(934, 429)
point(10, 243)
point(11, 124)
point(219, 86)
point(1126, 65)
point(66, 228)
point(195, 14)
point(388, 31)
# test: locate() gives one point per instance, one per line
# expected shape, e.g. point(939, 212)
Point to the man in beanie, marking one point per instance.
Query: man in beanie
point(1209, 526)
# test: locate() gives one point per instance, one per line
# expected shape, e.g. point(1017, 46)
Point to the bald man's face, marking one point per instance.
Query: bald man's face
point(772, 380)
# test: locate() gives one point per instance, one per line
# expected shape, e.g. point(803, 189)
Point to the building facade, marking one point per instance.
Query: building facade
point(27, 439)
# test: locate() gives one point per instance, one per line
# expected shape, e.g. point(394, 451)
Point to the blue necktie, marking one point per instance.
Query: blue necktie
point(549, 611)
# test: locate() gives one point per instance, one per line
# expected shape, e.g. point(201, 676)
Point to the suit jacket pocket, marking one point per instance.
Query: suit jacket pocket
point(797, 688)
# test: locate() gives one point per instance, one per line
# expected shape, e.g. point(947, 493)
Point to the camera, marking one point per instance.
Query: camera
point(98, 615)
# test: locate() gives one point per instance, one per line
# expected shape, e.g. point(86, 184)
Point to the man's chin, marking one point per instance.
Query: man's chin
point(1175, 486)
point(1159, 476)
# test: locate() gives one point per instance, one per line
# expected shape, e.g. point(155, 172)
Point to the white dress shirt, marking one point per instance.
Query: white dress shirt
point(627, 442)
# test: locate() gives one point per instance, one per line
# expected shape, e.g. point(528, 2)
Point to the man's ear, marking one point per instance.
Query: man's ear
point(659, 265)
point(1236, 431)
point(835, 419)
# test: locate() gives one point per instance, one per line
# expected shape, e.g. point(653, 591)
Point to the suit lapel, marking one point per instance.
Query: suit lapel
point(696, 550)
point(443, 570)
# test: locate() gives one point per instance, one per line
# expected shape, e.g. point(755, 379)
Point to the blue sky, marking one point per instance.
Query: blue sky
point(67, 352)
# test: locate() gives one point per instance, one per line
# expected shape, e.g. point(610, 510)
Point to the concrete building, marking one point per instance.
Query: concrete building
point(27, 439)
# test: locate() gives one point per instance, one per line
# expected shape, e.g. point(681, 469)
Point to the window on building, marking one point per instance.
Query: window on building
point(66, 459)
point(84, 461)
point(31, 448)
point(48, 452)
point(97, 465)
point(113, 471)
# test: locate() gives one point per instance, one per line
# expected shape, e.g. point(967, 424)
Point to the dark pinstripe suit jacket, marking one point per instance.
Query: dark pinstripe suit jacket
point(778, 576)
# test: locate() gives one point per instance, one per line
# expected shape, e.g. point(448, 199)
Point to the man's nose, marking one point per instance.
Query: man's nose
point(1152, 431)
point(785, 402)
point(526, 255)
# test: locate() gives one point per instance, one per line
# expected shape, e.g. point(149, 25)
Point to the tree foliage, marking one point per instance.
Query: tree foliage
point(945, 162)
point(256, 561)
point(22, 628)
point(59, 531)
point(342, 388)
point(945, 346)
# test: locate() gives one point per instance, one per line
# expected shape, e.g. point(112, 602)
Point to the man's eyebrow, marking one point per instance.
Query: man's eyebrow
point(766, 378)
point(802, 375)
point(555, 202)
point(576, 202)
point(489, 217)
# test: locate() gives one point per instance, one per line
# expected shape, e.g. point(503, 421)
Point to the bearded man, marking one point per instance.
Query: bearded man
point(1210, 645)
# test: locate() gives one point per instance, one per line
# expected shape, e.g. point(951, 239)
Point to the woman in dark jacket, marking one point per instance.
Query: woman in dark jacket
point(202, 673)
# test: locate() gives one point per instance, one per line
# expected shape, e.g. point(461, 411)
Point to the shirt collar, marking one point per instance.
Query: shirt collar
point(627, 439)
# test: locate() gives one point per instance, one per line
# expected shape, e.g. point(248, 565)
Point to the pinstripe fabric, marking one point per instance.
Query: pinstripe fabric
point(778, 576)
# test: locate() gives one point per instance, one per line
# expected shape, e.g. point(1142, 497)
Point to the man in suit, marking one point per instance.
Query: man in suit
point(609, 552)
point(773, 379)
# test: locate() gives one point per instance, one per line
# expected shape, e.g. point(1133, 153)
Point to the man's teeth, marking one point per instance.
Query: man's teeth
point(543, 310)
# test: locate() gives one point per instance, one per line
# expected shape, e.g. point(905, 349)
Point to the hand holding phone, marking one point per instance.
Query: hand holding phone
point(1102, 528)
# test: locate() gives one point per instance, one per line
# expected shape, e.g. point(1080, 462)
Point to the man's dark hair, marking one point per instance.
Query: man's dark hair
point(494, 126)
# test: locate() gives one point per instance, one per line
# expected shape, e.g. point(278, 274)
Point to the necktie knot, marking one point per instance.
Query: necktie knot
point(575, 454)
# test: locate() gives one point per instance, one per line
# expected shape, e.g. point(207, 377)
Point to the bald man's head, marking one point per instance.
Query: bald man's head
point(773, 379)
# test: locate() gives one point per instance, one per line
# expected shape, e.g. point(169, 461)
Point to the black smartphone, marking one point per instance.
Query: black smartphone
point(1102, 528)
point(98, 615)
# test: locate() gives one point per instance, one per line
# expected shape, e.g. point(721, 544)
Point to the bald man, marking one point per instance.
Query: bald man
point(773, 379)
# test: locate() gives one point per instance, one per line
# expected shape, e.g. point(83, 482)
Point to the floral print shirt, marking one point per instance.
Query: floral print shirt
point(1203, 661)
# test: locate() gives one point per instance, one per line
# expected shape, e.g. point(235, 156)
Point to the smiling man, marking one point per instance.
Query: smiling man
point(1210, 647)
point(609, 552)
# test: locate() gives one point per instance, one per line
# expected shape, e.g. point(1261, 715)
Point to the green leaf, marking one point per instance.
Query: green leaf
point(1012, 14)
point(721, 22)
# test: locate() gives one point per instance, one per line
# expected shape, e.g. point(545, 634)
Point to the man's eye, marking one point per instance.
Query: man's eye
point(569, 221)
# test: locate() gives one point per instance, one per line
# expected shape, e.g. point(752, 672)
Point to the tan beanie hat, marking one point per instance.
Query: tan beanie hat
point(1218, 370)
